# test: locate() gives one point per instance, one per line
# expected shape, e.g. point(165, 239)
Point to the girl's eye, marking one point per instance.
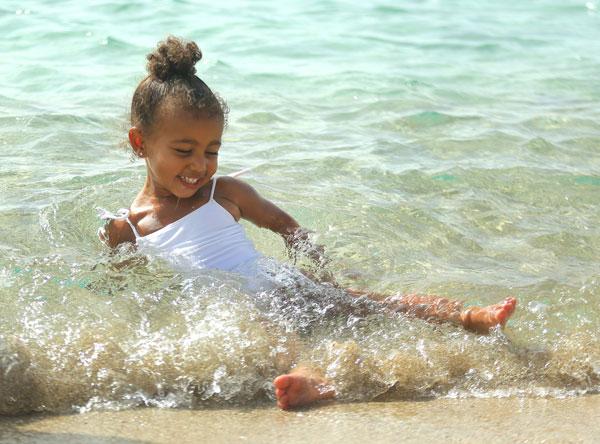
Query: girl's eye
point(212, 153)
point(183, 152)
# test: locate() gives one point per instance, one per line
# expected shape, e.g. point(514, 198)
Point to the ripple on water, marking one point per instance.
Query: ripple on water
point(261, 118)
point(423, 120)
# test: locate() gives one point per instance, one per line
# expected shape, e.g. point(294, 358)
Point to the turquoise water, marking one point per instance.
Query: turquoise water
point(438, 147)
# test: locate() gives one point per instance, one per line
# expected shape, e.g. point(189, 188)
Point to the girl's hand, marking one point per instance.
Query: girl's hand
point(299, 242)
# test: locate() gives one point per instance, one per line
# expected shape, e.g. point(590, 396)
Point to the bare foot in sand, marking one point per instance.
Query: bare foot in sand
point(482, 319)
point(302, 386)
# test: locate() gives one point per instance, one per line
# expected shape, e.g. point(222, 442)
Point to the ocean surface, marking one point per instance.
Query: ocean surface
point(444, 147)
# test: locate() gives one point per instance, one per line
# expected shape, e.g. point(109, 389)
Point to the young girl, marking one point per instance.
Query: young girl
point(187, 215)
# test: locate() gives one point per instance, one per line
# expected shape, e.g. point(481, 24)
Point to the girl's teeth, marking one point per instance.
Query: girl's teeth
point(189, 179)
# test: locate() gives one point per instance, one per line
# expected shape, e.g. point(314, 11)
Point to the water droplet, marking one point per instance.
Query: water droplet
point(537, 307)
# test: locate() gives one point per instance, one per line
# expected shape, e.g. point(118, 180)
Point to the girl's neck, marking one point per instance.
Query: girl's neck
point(151, 191)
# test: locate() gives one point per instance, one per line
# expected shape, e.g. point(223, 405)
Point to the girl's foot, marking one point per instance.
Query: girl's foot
point(482, 319)
point(301, 387)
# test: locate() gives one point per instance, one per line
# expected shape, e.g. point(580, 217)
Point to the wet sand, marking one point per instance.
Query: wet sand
point(466, 420)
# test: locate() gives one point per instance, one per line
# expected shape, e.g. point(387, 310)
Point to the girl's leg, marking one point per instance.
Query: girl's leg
point(477, 319)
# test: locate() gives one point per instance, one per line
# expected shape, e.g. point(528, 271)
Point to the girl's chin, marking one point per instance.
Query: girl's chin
point(185, 193)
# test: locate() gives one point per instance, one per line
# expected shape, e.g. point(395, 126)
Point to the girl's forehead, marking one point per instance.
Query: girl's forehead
point(185, 121)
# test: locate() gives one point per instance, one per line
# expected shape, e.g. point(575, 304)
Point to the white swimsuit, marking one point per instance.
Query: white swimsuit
point(208, 237)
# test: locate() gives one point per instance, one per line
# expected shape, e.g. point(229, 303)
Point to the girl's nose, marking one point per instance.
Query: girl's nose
point(199, 164)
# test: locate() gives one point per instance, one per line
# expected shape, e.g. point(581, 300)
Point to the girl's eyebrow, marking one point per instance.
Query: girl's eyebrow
point(195, 142)
point(188, 141)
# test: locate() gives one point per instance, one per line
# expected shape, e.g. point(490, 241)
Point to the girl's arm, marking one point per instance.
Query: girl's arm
point(266, 214)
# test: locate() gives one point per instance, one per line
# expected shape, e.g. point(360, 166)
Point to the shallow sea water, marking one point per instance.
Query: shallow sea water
point(439, 147)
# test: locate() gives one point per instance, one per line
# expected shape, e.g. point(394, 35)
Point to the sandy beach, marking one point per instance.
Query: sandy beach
point(463, 420)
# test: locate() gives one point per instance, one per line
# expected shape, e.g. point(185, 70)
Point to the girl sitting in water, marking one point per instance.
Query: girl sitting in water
point(187, 215)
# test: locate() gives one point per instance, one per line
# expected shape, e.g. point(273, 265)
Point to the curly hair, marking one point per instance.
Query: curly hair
point(172, 80)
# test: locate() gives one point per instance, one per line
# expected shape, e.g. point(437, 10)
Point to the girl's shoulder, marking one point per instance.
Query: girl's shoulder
point(233, 189)
point(228, 184)
point(227, 193)
point(234, 194)
point(117, 228)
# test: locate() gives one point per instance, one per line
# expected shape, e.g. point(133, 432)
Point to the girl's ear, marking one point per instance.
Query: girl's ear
point(137, 141)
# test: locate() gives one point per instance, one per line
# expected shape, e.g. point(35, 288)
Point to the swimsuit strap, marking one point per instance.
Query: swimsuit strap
point(212, 190)
point(122, 214)
point(135, 232)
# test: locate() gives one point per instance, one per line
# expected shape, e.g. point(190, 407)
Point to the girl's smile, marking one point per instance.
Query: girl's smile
point(190, 182)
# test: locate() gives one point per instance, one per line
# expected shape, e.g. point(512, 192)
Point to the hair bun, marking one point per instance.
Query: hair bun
point(173, 57)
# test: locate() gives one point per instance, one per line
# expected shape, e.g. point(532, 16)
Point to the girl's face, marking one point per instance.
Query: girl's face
point(181, 153)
